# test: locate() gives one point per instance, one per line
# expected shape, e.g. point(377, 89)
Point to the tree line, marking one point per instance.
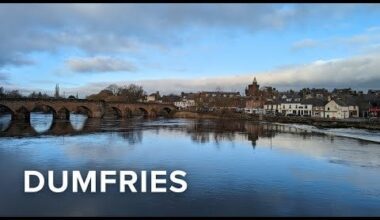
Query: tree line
point(113, 92)
point(16, 94)
point(126, 93)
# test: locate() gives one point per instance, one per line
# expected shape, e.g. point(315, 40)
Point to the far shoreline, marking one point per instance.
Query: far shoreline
point(359, 123)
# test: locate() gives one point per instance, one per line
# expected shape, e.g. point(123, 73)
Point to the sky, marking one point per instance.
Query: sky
point(188, 47)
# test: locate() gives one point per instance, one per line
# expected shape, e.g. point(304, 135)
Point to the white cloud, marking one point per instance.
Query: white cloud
point(359, 72)
point(99, 64)
point(4, 77)
point(117, 28)
point(365, 41)
point(305, 43)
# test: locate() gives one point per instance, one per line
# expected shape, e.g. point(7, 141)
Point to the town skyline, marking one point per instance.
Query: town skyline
point(242, 91)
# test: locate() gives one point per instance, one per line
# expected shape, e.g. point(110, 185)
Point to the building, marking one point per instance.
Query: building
point(307, 93)
point(341, 109)
point(374, 110)
point(153, 97)
point(185, 104)
point(272, 107)
point(295, 109)
point(318, 106)
point(189, 95)
point(219, 94)
point(170, 98)
point(374, 92)
point(253, 105)
point(290, 97)
point(253, 89)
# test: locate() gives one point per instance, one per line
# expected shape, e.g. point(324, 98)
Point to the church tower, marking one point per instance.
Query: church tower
point(253, 89)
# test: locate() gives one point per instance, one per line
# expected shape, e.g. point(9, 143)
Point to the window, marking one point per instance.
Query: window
point(328, 109)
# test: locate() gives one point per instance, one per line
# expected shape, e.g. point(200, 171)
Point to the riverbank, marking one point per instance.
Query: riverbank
point(317, 122)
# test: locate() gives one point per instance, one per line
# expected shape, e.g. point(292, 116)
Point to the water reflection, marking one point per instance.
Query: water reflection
point(5, 121)
point(243, 168)
point(40, 121)
point(204, 132)
point(78, 121)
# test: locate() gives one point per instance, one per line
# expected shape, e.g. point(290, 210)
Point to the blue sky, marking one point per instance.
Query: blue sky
point(188, 47)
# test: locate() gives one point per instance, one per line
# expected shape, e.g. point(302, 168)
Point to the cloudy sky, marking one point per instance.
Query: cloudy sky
point(188, 47)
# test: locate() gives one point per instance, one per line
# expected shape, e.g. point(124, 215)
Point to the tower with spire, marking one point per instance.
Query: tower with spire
point(56, 94)
point(253, 89)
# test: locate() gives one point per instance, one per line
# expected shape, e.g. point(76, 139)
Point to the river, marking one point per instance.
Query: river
point(234, 168)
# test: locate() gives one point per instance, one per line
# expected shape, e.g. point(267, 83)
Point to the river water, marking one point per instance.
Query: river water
point(233, 168)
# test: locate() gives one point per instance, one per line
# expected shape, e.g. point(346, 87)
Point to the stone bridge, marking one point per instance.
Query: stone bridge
point(20, 108)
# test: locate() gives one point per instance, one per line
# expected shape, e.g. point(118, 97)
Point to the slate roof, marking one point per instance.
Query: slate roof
point(314, 102)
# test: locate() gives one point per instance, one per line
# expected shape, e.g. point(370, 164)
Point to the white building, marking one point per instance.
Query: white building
point(184, 104)
point(340, 109)
point(151, 98)
point(296, 108)
point(257, 111)
point(272, 107)
point(318, 106)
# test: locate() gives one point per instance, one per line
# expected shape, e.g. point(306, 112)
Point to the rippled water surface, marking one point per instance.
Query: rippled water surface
point(233, 167)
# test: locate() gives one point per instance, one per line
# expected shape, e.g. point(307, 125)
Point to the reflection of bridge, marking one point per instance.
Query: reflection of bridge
point(20, 108)
point(63, 127)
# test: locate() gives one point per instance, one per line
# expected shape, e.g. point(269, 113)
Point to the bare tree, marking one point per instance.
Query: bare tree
point(113, 88)
point(127, 93)
point(14, 94)
point(132, 93)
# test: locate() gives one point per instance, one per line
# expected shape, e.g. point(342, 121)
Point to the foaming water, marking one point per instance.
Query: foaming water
point(361, 134)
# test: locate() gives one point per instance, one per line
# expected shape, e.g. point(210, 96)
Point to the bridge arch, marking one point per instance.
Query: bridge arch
point(144, 111)
point(84, 110)
point(6, 109)
point(128, 112)
point(44, 108)
point(63, 113)
point(152, 113)
point(164, 111)
point(117, 112)
point(5, 123)
point(42, 123)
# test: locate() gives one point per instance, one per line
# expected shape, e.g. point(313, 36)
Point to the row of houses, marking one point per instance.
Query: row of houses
point(338, 108)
